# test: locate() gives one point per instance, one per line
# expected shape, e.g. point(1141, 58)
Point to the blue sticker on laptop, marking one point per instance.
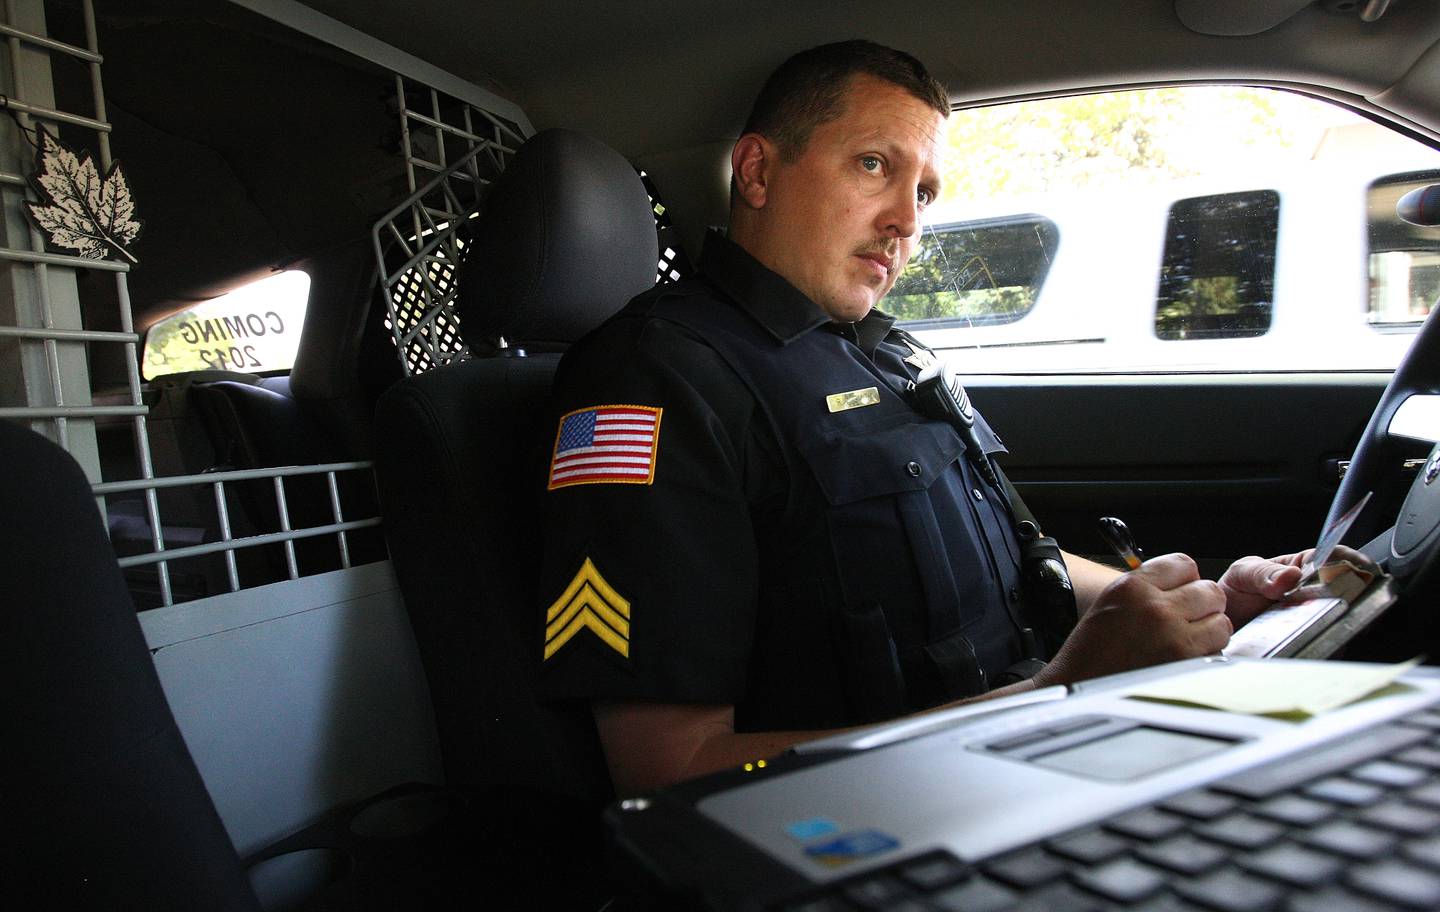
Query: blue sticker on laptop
point(813, 828)
point(852, 846)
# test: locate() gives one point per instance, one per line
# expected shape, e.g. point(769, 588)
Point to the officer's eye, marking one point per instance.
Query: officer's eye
point(871, 163)
point(924, 196)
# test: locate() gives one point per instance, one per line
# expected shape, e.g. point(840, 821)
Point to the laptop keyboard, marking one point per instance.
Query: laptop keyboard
point(1353, 827)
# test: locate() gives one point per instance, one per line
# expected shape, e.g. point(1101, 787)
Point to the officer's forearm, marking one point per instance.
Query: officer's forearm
point(1088, 578)
point(651, 745)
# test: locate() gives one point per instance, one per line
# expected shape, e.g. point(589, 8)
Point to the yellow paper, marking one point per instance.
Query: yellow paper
point(1286, 688)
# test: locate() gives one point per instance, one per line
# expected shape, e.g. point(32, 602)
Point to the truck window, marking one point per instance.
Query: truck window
point(1217, 274)
point(973, 273)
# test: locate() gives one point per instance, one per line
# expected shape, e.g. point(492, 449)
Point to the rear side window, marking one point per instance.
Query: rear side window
point(986, 271)
point(1404, 259)
point(254, 329)
point(1217, 273)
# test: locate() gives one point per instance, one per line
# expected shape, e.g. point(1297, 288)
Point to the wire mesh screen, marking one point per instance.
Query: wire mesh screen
point(422, 311)
point(419, 244)
point(673, 265)
point(453, 150)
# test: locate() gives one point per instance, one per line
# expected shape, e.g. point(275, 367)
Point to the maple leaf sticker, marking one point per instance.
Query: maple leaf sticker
point(90, 214)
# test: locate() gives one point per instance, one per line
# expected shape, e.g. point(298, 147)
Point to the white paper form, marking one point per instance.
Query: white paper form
point(1272, 631)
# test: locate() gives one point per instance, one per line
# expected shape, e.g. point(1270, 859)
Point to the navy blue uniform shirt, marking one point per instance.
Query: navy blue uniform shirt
point(745, 508)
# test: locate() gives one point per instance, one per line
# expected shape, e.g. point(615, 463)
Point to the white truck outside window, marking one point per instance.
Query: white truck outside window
point(1183, 229)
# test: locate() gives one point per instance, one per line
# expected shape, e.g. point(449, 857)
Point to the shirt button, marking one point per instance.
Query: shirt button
point(976, 492)
point(1014, 594)
point(913, 468)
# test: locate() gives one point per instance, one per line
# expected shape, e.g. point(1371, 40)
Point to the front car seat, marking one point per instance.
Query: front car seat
point(103, 806)
point(566, 237)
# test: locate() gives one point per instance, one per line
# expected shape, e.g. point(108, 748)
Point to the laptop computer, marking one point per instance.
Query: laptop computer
point(1086, 800)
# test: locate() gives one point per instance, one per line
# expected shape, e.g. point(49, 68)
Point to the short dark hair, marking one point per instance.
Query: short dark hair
point(809, 89)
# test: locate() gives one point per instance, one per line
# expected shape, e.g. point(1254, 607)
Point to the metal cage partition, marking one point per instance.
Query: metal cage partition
point(48, 354)
point(419, 243)
point(161, 522)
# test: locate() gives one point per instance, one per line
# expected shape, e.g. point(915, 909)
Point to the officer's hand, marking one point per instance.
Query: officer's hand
point(1159, 613)
point(1253, 584)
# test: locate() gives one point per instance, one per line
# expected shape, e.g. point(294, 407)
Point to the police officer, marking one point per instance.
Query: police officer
point(756, 532)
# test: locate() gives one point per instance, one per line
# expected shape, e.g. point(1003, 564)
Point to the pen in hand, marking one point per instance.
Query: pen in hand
point(1117, 536)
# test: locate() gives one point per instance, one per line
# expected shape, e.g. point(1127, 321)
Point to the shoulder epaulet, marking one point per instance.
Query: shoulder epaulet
point(909, 339)
point(646, 301)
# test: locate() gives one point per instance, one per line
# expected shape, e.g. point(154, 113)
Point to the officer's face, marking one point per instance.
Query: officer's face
point(845, 215)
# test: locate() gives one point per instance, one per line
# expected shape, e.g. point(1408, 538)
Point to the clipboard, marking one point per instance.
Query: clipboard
point(1345, 599)
point(1313, 629)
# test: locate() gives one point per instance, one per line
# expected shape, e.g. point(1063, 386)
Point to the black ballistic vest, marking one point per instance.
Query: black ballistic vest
point(891, 580)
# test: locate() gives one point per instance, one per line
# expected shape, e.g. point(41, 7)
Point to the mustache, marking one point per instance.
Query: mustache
point(887, 248)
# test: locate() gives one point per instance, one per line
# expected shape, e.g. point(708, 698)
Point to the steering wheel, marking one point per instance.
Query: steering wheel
point(1413, 538)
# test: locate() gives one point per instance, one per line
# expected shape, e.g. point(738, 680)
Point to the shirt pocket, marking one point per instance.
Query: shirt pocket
point(886, 547)
point(887, 455)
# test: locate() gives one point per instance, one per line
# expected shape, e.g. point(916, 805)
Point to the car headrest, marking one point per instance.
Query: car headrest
point(565, 237)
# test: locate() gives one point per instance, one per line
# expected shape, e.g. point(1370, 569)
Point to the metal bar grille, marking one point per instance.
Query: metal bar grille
point(231, 545)
point(60, 259)
point(61, 398)
point(220, 478)
point(221, 487)
point(452, 150)
point(51, 44)
point(68, 335)
point(161, 538)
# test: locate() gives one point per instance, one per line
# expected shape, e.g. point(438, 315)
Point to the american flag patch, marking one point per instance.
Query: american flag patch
point(606, 444)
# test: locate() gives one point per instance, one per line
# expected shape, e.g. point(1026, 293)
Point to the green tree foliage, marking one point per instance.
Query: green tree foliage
point(1090, 141)
point(166, 352)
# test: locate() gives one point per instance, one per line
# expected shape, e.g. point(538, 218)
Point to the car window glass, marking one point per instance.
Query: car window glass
point(1184, 228)
point(985, 271)
point(1217, 272)
point(255, 328)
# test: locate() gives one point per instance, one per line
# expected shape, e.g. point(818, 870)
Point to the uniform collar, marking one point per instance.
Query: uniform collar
point(782, 309)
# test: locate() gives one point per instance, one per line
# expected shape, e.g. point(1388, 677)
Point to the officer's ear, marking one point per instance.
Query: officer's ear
point(750, 163)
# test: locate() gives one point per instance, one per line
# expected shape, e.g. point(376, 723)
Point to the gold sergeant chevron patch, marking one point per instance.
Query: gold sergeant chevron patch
point(590, 602)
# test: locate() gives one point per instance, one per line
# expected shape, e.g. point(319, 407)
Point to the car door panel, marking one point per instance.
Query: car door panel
point(1218, 466)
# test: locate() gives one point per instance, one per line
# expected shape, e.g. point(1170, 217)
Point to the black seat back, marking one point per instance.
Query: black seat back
point(566, 237)
point(103, 807)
